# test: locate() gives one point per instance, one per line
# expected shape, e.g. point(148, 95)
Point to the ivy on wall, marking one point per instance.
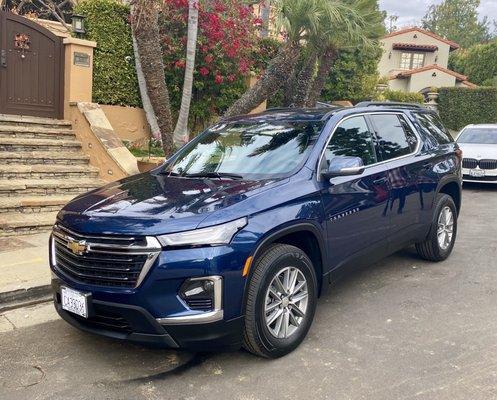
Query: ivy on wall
point(459, 107)
point(114, 75)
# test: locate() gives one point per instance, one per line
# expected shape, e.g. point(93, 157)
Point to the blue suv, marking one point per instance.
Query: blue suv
point(231, 242)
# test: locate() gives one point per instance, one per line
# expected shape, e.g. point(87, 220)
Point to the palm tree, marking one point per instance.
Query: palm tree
point(364, 27)
point(181, 130)
point(144, 22)
point(299, 21)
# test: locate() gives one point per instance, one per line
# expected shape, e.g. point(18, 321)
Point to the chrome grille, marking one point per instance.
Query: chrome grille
point(488, 164)
point(103, 260)
point(469, 163)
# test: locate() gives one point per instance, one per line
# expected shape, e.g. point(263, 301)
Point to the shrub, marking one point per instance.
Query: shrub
point(459, 107)
point(400, 97)
point(354, 75)
point(477, 63)
point(226, 47)
point(114, 73)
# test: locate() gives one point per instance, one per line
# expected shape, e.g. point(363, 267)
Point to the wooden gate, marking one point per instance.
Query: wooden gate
point(31, 68)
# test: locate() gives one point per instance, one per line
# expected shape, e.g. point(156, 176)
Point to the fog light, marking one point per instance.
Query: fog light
point(202, 294)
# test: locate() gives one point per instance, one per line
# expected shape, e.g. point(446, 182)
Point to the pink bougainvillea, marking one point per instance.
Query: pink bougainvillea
point(227, 42)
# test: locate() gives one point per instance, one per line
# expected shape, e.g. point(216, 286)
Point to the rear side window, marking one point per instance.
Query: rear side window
point(395, 136)
point(432, 125)
point(352, 138)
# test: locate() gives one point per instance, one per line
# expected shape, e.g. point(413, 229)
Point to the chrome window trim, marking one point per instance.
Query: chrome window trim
point(418, 146)
point(201, 317)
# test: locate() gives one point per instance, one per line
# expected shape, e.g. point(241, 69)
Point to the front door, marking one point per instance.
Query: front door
point(355, 207)
point(31, 68)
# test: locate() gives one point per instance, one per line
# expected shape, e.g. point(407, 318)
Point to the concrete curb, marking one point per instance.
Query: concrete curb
point(25, 297)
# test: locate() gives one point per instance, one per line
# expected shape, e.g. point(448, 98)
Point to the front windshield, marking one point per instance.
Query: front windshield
point(478, 135)
point(253, 150)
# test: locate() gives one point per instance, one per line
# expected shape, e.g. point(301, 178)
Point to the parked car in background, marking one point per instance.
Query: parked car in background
point(234, 238)
point(479, 146)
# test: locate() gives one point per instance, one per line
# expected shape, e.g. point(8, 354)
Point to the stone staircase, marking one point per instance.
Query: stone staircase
point(42, 167)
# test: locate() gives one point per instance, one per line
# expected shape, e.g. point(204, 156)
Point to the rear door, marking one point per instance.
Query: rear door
point(406, 169)
point(355, 206)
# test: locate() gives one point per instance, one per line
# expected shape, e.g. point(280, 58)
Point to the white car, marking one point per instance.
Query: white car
point(479, 147)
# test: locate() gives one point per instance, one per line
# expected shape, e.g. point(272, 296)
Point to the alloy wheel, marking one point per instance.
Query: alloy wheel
point(286, 302)
point(445, 230)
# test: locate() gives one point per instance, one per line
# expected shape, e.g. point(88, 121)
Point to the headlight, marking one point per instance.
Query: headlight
point(213, 235)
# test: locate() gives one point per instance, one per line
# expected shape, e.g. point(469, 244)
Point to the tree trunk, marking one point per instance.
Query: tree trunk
point(304, 81)
point(274, 77)
point(326, 61)
point(181, 130)
point(147, 105)
point(146, 30)
point(265, 16)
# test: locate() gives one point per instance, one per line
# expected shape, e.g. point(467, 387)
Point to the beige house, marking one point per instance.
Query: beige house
point(415, 59)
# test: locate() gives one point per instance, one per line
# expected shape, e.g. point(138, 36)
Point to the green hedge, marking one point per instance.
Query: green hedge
point(478, 63)
point(459, 107)
point(401, 97)
point(114, 74)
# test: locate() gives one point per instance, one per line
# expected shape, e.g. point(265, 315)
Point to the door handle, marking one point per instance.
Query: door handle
point(380, 181)
point(3, 58)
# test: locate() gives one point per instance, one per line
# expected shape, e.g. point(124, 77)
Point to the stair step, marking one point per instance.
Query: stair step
point(37, 132)
point(42, 187)
point(42, 171)
point(33, 204)
point(43, 157)
point(15, 144)
point(22, 224)
point(27, 120)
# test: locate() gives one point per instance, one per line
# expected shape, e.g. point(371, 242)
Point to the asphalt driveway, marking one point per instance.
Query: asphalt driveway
point(401, 329)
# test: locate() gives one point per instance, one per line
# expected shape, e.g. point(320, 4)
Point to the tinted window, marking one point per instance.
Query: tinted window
point(253, 150)
point(395, 135)
point(431, 124)
point(478, 135)
point(352, 138)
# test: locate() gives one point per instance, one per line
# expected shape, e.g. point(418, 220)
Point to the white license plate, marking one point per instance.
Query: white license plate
point(477, 173)
point(74, 301)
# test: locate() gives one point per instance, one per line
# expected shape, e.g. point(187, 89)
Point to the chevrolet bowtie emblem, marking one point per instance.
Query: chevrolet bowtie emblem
point(77, 247)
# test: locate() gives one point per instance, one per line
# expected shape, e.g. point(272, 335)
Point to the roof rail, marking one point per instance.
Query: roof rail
point(389, 104)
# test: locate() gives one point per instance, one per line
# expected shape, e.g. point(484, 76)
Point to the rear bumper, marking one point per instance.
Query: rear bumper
point(136, 324)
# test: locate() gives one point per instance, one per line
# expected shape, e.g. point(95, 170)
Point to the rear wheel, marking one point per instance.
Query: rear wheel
point(442, 236)
point(281, 301)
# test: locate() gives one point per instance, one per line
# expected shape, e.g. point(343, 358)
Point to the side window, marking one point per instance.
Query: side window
point(432, 124)
point(395, 135)
point(352, 138)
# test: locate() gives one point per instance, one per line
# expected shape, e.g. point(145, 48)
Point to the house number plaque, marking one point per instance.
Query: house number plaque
point(81, 59)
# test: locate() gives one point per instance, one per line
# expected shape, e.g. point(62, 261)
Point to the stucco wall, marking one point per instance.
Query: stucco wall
point(425, 79)
point(388, 65)
point(129, 123)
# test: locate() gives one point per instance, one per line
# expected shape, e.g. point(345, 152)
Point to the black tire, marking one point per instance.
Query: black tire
point(430, 249)
point(257, 337)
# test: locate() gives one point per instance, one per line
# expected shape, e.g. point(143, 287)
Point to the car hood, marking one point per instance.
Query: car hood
point(152, 204)
point(479, 151)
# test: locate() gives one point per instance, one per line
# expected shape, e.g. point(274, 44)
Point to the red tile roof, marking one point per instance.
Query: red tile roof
point(409, 72)
point(453, 45)
point(412, 46)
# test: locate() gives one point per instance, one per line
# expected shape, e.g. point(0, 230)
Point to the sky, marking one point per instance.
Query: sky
point(410, 12)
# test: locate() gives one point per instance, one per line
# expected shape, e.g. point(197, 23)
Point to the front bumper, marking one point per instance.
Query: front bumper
point(135, 324)
point(490, 176)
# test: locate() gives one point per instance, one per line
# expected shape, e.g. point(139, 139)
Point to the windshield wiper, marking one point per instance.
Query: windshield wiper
point(218, 175)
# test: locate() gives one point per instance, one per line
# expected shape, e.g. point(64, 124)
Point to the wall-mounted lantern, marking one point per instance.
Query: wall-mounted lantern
point(389, 55)
point(78, 24)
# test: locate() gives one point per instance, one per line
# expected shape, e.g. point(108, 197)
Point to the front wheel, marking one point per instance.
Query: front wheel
point(281, 301)
point(442, 236)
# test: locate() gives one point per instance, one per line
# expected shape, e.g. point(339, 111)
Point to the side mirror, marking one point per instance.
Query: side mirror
point(344, 166)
